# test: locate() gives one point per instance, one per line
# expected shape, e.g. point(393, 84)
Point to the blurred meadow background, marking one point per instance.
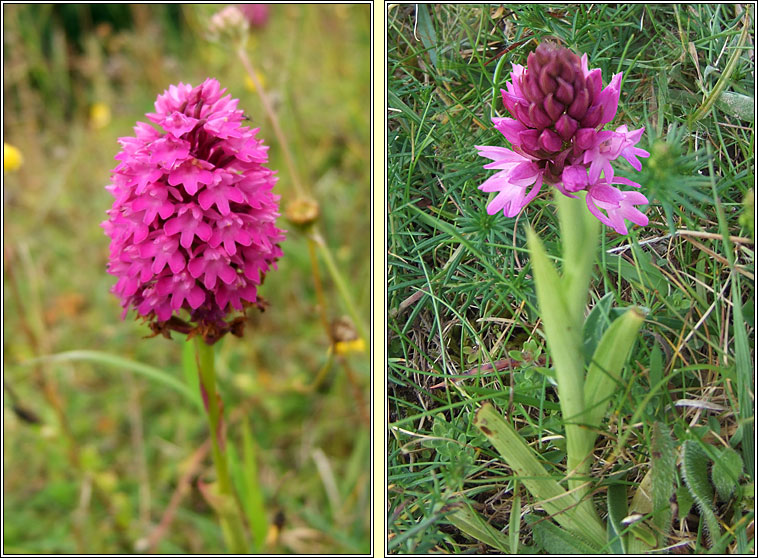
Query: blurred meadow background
point(461, 293)
point(99, 455)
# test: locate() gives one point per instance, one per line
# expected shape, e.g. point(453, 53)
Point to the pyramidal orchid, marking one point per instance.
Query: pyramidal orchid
point(192, 227)
point(559, 108)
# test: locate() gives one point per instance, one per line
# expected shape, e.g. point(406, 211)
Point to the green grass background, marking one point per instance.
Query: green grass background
point(460, 288)
point(134, 437)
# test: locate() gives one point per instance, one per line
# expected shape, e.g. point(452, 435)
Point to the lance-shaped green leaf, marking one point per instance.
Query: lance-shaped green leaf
point(663, 469)
point(643, 538)
point(555, 540)
point(514, 526)
point(252, 497)
point(552, 497)
point(474, 525)
point(604, 374)
point(726, 471)
point(617, 511)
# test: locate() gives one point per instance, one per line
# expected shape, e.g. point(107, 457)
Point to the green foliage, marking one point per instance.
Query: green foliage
point(460, 286)
point(684, 501)
point(663, 478)
point(130, 409)
point(674, 177)
point(617, 511)
point(726, 472)
point(747, 218)
point(454, 451)
point(471, 523)
point(695, 474)
point(553, 540)
point(604, 372)
point(565, 506)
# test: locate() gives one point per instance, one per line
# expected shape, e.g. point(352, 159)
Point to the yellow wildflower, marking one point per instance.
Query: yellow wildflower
point(352, 346)
point(99, 116)
point(12, 158)
point(250, 84)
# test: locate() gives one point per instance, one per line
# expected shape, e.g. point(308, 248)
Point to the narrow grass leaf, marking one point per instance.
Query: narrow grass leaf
point(617, 510)
point(745, 372)
point(237, 473)
point(252, 500)
point(723, 81)
point(645, 275)
point(743, 358)
point(514, 524)
point(99, 357)
point(419, 527)
point(426, 31)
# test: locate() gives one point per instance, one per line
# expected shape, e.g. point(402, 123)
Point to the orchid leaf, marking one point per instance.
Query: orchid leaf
point(555, 540)
point(604, 373)
point(617, 511)
point(551, 496)
point(470, 522)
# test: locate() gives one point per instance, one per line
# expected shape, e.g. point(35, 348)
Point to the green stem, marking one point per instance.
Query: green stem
point(726, 76)
point(339, 281)
point(271, 113)
point(290, 162)
point(562, 299)
point(231, 522)
point(580, 232)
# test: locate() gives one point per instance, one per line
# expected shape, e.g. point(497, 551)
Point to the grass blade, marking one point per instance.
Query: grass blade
point(99, 357)
point(617, 511)
point(555, 540)
point(253, 496)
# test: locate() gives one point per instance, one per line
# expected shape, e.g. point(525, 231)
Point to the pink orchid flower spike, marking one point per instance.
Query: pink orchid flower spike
point(190, 197)
point(558, 107)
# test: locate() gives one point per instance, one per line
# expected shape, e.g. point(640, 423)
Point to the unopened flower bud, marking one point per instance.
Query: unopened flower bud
point(302, 211)
point(230, 24)
point(256, 14)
